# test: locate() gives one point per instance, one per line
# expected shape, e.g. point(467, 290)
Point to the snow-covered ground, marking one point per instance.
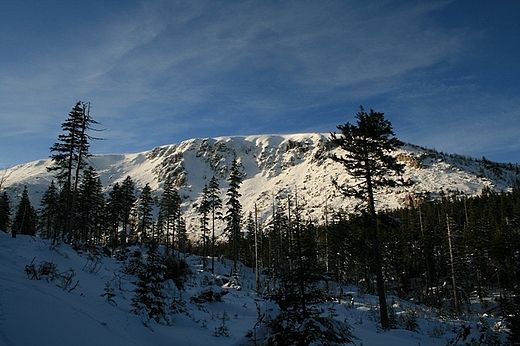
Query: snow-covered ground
point(40, 312)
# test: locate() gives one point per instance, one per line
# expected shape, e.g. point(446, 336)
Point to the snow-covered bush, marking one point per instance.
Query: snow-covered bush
point(208, 296)
point(152, 300)
point(50, 271)
point(109, 293)
point(222, 329)
point(284, 329)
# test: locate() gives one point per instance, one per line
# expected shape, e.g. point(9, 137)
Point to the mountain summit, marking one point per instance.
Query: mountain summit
point(274, 167)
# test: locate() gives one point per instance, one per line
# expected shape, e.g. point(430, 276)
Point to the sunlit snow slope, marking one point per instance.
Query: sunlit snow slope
point(275, 166)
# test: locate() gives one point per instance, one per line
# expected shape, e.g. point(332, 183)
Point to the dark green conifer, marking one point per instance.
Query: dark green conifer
point(169, 213)
point(25, 220)
point(144, 214)
point(69, 157)
point(300, 294)
point(114, 215)
point(127, 199)
point(234, 211)
point(203, 210)
point(365, 152)
point(5, 212)
point(90, 210)
point(50, 213)
point(215, 206)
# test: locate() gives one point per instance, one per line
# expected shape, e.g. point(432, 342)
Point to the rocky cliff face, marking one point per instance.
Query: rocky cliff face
point(275, 167)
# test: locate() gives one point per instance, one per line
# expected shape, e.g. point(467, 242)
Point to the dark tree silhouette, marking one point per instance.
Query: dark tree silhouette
point(69, 156)
point(234, 211)
point(366, 154)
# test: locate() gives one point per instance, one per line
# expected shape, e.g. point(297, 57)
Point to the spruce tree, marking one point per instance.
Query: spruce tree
point(154, 295)
point(215, 206)
point(144, 214)
point(25, 220)
point(114, 215)
point(209, 210)
point(278, 237)
point(366, 154)
point(126, 198)
point(169, 213)
point(90, 211)
point(149, 300)
point(69, 156)
point(300, 294)
point(234, 211)
point(50, 213)
point(203, 210)
point(249, 245)
point(5, 212)
point(182, 236)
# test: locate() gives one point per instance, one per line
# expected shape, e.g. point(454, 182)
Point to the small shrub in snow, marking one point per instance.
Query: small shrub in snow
point(483, 335)
point(222, 330)
point(208, 296)
point(134, 267)
point(109, 294)
point(408, 320)
point(94, 263)
point(50, 271)
point(65, 280)
point(316, 330)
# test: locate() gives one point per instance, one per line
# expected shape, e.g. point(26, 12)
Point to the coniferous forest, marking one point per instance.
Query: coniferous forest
point(441, 253)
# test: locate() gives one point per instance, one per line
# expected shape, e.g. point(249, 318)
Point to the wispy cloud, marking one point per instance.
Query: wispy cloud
point(180, 69)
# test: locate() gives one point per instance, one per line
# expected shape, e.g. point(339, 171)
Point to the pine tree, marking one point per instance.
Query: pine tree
point(209, 210)
point(114, 215)
point(169, 213)
point(300, 294)
point(149, 300)
point(182, 236)
point(69, 156)
point(126, 198)
point(203, 210)
point(152, 288)
point(50, 213)
point(25, 219)
point(513, 318)
point(234, 211)
point(5, 212)
point(90, 211)
point(249, 244)
point(367, 148)
point(278, 237)
point(338, 246)
point(215, 206)
point(144, 214)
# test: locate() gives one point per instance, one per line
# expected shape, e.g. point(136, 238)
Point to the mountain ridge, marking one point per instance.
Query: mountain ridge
point(274, 167)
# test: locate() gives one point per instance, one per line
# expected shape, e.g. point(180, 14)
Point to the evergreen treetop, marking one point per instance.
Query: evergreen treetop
point(366, 155)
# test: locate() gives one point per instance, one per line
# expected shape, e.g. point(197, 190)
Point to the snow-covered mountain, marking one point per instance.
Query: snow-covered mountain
point(275, 166)
point(48, 312)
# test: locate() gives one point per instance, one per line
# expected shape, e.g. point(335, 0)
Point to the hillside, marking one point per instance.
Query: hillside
point(275, 166)
point(49, 312)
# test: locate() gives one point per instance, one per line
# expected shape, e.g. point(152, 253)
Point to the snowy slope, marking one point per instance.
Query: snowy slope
point(38, 312)
point(274, 166)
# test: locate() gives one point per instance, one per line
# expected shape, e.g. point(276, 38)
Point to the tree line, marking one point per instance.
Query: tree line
point(440, 253)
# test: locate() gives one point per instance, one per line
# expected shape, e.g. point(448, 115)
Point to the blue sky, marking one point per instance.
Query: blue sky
point(445, 73)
